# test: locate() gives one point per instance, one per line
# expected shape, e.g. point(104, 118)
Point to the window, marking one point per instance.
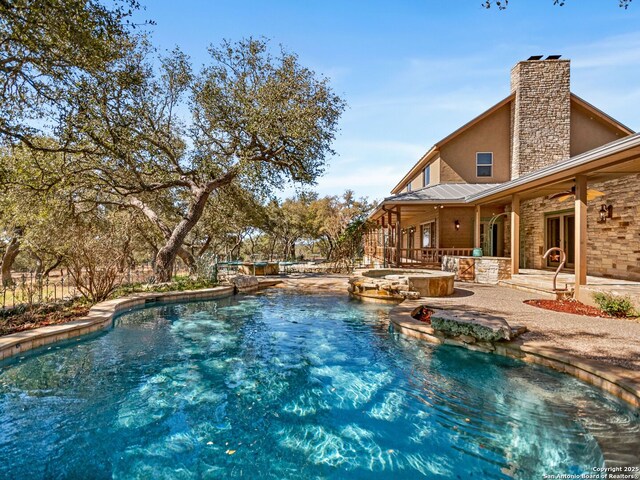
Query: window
point(427, 176)
point(484, 164)
point(428, 234)
point(409, 187)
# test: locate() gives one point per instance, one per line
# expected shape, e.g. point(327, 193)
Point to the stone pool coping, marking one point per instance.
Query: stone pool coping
point(621, 382)
point(101, 316)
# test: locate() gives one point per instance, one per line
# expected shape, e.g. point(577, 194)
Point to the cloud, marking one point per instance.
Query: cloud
point(615, 51)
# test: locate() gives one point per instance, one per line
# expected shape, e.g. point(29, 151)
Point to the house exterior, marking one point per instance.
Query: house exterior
point(542, 168)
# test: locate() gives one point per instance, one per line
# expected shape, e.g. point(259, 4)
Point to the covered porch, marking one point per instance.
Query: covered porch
point(420, 228)
point(587, 208)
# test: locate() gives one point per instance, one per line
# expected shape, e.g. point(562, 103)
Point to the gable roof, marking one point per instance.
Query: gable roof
point(600, 114)
point(431, 153)
point(622, 150)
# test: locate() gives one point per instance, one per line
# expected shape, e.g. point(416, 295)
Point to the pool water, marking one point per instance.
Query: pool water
point(282, 385)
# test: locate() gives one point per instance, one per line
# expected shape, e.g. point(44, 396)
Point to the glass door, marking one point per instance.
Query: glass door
point(489, 238)
point(560, 232)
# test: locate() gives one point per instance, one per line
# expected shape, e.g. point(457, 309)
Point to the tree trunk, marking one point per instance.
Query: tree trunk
point(53, 266)
point(188, 259)
point(204, 246)
point(39, 265)
point(272, 248)
point(166, 257)
point(7, 261)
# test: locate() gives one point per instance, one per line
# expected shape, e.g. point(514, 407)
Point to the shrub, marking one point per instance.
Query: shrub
point(614, 305)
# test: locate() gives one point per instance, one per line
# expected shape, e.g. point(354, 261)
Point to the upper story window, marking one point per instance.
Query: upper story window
point(409, 187)
point(427, 176)
point(484, 164)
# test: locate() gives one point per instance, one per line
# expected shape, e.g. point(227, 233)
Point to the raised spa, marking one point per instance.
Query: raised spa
point(282, 385)
point(389, 284)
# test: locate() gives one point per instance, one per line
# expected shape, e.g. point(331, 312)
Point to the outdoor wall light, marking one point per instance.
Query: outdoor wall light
point(457, 224)
point(606, 211)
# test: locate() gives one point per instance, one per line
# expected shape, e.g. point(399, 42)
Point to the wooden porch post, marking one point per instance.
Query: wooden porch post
point(580, 233)
point(390, 238)
point(398, 238)
point(476, 228)
point(515, 234)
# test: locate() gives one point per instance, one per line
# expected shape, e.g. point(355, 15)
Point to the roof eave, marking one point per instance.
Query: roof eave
point(422, 162)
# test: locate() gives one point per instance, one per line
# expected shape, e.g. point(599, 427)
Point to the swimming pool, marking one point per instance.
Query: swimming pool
point(285, 385)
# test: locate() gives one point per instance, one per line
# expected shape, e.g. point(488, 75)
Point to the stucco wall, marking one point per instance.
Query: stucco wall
point(415, 220)
point(491, 134)
point(589, 131)
point(449, 236)
point(418, 181)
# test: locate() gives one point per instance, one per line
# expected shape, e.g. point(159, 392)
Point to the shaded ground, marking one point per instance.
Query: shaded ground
point(41, 316)
point(317, 283)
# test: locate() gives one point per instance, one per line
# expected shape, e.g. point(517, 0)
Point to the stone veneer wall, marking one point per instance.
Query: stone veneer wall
point(613, 248)
point(486, 269)
point(492, 270)
point(540, 115)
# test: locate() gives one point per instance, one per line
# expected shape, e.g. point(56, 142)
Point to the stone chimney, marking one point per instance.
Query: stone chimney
point(540, 114)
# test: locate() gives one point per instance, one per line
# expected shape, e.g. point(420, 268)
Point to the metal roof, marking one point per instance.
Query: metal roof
point(444, 192)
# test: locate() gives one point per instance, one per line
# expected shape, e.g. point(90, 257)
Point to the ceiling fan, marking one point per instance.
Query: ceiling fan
point(567, 194)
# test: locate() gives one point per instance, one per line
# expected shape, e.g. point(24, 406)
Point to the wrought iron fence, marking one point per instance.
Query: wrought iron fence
point(29, 288)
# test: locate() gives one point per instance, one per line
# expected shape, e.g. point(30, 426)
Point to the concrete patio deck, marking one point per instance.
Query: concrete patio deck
point(541, 281)
point(608, 340)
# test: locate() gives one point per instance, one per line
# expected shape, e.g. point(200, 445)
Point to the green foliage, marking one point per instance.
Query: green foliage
point(160, 143)
point(47, 45)
point(614, 305)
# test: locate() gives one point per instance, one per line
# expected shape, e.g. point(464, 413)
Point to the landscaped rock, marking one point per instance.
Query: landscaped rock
point(244, 282)
point(479, 326)
point(396, 284)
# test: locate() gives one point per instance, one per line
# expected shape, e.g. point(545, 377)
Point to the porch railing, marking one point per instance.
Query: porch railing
point(417, 257)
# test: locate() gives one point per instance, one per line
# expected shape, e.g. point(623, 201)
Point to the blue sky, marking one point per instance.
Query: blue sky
point(413, 71)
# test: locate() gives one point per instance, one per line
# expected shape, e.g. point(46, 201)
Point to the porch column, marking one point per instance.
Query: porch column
point(580, 233)
point(476, 228)
point(398, 237)
point(515, 234)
